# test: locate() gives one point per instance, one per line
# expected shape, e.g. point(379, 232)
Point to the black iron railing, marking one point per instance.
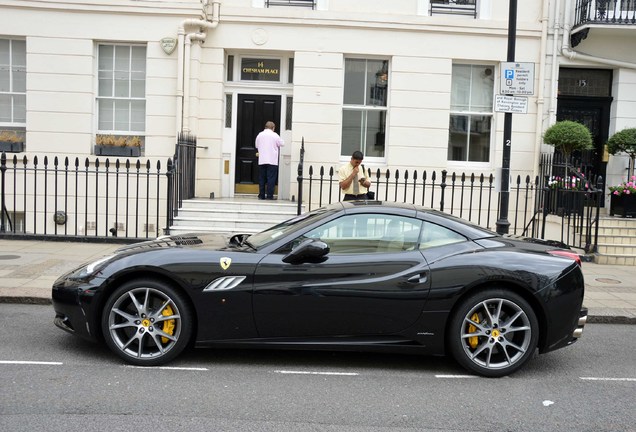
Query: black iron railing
point(572, 192)
point(535, 204)
point(469, 196)
point(614, 12)
point(99, 198)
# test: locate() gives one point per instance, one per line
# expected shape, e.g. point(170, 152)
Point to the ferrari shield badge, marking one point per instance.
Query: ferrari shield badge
point(225, 263)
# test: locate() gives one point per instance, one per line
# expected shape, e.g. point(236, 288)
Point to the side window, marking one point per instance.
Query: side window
point(436, 235)
point(369, 233)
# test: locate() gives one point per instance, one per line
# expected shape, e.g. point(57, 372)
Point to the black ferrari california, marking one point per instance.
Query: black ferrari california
point(360, 275)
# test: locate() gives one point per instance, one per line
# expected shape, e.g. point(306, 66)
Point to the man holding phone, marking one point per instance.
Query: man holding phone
point(353, 180)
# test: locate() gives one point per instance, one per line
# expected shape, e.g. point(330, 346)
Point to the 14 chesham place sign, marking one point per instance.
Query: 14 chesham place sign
point(260, 69)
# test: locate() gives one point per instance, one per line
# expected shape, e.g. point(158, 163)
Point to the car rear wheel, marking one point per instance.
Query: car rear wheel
point(146, 323)
point(493, 333)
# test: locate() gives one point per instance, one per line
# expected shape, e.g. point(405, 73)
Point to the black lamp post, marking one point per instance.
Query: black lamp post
point(502, 221)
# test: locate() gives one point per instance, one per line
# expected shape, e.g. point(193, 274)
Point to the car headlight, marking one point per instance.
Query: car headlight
point(89, 269)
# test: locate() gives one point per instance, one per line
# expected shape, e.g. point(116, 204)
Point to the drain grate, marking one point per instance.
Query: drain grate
point(608, 281)
point(9, 257)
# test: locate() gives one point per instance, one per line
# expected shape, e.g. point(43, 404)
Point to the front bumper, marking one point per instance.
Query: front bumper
point(72, 304)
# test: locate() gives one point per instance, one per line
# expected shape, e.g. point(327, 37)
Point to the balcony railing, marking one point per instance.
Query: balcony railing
point(454, 7)
point(301, 3)
point(613, 12)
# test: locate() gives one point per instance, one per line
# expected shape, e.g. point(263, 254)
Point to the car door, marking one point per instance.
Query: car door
point(374, 281)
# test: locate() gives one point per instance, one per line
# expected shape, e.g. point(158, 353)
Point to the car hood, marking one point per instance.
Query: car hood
point(192, 241)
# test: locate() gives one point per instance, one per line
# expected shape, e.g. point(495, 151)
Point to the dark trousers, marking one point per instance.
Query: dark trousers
point(267, 174)
point(352, 197)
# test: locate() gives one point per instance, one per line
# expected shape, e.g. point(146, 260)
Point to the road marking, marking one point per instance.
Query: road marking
point(316, 373)
point(29, 362)
point(456, 376)
point(607, 379)
point(168, 368)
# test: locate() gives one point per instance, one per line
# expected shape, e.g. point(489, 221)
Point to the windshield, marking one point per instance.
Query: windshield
point(282, 229)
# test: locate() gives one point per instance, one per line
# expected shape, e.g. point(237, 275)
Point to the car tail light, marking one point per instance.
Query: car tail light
point(566, 254)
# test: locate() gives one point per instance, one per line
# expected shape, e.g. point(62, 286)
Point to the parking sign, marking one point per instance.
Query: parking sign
point(517, 78)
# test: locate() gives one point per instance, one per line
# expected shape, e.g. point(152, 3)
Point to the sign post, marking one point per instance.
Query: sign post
point(504, 194)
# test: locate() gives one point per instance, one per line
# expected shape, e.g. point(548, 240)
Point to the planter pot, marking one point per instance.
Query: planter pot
point(104, 150)
point(623, 206)
point(11, 147)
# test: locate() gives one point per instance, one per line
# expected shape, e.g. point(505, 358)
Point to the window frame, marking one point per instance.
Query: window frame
point(13, 124)
point(365, 109)
point(471, 113)
point(121, 132)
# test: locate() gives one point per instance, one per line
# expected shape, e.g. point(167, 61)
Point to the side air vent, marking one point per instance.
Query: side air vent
point(224, 283)
point(186, 240)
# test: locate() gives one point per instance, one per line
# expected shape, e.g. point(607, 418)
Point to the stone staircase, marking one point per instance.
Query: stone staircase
point(616, 241)
point(241, 214)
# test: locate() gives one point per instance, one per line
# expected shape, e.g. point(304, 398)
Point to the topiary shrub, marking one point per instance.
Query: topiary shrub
point(624, 142)
point(568, 136)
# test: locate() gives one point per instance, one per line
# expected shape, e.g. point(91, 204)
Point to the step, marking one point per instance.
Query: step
point(616, 249)
point(235, 214)
point(241, 214)
point(625, 239)
point(240, 204)
point(615, 222)
point(180, 230)
point(615, 259)
point(216, 222)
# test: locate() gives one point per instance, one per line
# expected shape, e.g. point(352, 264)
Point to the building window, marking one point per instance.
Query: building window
point(471, 113)
point(290, 75)
point(230, 68)
point(302, 3)
point(454, 7)
point(12, 83)
point(365, 107)
point(121, 96)
point(288, 112)
point(228, 110)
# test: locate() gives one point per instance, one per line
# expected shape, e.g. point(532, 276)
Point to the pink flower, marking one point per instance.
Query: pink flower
point(615, 192)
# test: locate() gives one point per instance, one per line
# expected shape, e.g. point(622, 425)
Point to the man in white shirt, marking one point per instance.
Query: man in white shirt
point(353, 180)
point(268, 144)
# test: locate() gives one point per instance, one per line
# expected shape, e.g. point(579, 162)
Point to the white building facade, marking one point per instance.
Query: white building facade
point(410, 83)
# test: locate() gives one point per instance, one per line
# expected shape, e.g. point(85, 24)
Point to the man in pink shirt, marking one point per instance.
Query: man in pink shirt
point(267, 144)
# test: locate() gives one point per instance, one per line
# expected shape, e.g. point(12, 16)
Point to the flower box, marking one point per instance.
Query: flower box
point(123, 151)
point(623, 205)
point(11, 147)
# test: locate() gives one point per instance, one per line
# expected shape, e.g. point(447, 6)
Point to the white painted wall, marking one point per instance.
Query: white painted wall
point(61, 77)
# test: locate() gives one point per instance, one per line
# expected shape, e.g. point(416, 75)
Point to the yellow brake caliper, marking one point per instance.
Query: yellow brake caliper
point(473, 340)
point(168, 326)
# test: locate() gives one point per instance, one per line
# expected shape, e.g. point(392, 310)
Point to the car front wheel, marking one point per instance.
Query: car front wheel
point(146, 323)
point(493, 333)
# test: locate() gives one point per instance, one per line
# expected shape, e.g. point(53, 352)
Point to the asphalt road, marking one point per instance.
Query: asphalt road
point(53, 381)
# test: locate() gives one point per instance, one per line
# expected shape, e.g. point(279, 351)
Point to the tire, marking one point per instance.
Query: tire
point(493, 333)
point(147, 323)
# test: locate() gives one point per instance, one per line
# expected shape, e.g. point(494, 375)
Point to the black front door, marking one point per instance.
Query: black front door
point(253, 112)
point(594, 113)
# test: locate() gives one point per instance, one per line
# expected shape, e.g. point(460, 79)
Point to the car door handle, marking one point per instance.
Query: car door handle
point(418, 278)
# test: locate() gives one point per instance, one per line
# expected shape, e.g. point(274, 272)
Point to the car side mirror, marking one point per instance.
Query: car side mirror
point(309, 250)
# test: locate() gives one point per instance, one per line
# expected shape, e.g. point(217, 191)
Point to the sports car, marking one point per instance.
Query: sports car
point(360, 275)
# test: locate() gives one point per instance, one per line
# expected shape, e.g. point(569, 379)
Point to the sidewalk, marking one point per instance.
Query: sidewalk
point(28, 268)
